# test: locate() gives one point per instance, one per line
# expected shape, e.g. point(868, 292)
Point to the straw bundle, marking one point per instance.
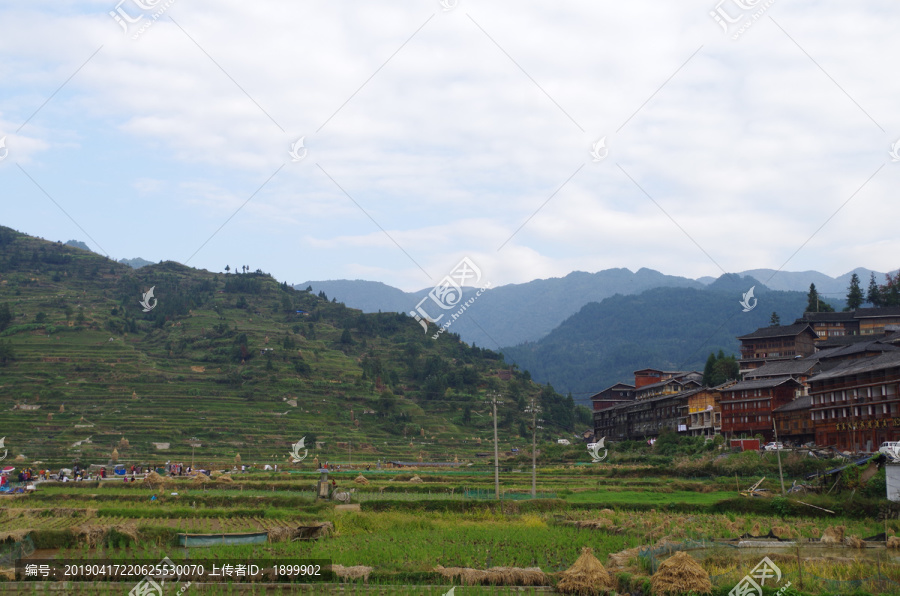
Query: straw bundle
point(354, 572)
point(281, 533)
point(224, 478)
point(893, 542)
point(361, 480)
point(680, 574)
point(201, 479)
point(586, 576)
point(594, 524)
point(416, 479)
point(833, 535)
point(620, 560)
point(154, 480)
point(854, 542)
point(495, 576)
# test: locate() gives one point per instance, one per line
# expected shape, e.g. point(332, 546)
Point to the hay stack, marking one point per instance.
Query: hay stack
point(360, 480)
point(224, 478)
point(854, 542)
point(154, 480)
point(201, 479)
point(416, 479)
point(833, 535)
point(587, 576)
point(355, 572)
point(893, 542)
point(680, 574)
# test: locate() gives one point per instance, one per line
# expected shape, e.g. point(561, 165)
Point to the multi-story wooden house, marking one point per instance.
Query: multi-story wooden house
point(777, 342)
point(794, 422)
point(619, 393)
point(704, 414)
point(856, 404)
point(747, 406)
point(644, 418)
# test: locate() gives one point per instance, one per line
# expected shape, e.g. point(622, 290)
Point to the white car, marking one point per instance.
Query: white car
point(773, 446)
point(889, 447)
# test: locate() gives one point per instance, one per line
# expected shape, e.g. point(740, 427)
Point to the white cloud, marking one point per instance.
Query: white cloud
point(450, 146)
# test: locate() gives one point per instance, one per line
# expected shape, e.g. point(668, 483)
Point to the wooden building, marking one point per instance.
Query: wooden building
point(794, 422)
point(777, 342)
point(856, 404)
point(612, 396)
point(645, 418)
point(704, 414)
point(747, 406)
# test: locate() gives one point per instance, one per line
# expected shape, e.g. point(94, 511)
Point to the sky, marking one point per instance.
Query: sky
point(389, 140)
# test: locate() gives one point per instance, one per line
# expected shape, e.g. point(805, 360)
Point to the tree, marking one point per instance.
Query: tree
point(708, 370)
point(890, 291)
point(814, 303)
point(346, 338)
point(6, 316)
point(774, 320)
point(854, 293)
point(227, 269)
point(873, 296)
point(6, 353)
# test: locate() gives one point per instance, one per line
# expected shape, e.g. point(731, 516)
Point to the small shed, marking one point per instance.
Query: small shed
point(892, 473)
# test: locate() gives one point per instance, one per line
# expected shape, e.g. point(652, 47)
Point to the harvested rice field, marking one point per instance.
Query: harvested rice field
point(587, 535)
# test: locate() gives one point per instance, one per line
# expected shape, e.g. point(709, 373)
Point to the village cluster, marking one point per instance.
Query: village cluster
point(829, 380)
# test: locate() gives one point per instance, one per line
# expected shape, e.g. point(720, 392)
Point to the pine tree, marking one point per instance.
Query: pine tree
point(814, 303)
point(854, 293)
point(774, 320)
point(873, 296)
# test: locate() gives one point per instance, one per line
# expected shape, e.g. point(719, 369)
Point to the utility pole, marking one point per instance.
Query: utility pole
point(778, 453)
point(534, 421)
point(494, 401)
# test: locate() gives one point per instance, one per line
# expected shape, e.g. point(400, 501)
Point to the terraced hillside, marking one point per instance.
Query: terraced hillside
point(232, 365)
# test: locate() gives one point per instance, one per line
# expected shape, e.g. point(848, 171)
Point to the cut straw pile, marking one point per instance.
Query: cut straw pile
point(416, 479)
point(201, 479)
point(833, 535)
point(495, 576)
point(587, 576)
point(354, 572)
point(224, 478)
point(154, 480)
point(893, 542)
point(680, 574)
point(361, 480)
point(593, 524)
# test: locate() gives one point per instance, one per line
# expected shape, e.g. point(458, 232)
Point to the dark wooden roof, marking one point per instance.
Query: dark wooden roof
point(804, 402)
point(860, 365)
point(761, 384)
point(779, 331)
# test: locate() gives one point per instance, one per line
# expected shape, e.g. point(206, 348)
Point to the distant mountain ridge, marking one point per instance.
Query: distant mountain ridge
point(517, 313)
point(509, 314)
point(666, 328)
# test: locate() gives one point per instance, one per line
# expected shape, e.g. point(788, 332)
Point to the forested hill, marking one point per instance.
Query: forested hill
point(666, 328)
point(232, 367)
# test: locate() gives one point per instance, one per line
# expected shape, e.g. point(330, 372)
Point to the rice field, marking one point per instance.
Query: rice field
point(404, 530)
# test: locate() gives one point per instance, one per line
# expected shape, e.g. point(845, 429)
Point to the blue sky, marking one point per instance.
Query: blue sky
point(434, 135)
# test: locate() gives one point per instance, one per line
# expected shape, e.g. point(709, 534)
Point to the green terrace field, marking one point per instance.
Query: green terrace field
point(234, 365)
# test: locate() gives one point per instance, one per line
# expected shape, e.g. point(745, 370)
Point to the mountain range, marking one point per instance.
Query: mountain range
point(516, 313)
